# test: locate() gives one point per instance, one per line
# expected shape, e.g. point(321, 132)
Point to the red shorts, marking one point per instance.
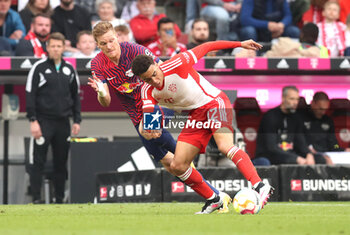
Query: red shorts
point(205, 120)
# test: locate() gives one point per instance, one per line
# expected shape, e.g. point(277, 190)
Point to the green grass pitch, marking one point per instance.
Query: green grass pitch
point(174, 218)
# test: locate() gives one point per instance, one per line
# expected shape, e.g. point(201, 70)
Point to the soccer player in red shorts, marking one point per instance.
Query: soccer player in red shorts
point(111, 68)
point(174, 84)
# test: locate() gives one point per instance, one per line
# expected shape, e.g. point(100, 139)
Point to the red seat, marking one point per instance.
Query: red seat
point(340, 113)
point(248, 115)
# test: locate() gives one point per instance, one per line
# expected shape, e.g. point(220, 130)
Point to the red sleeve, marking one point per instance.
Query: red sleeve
point(182, 47)
point(308, 15)
point(203, 49)
point(148, 101)
point(344, 10)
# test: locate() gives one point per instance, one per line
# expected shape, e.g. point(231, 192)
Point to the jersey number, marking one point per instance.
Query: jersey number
point(212, 114)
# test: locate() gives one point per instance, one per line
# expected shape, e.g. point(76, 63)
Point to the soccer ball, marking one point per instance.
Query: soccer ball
point(247, 201)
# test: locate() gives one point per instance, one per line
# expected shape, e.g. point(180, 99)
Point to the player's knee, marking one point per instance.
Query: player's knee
point(178, 168)
point(224, 147)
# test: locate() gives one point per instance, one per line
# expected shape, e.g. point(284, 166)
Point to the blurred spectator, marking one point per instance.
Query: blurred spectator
point(14, 5)
point(123, 33)
point(144, 25)
point(167, 44)
point(314, 14)
point(33, 8)
point(347, 37)
point(106, 11)
point(265, 20)
point(199, 33)
point(11, 25)
point(319, 127)
point(280, 135)
point(298, 9)
point(192, 12)
point(23, 3)
point(130, 10)
point(86, 45)
point(34, 43)
point(5, 47)
point(89, 5)
point(225, 13)
point(307, 47)
point(308, 38)
point(344, 10)
point(69, 19)
point(331, 31)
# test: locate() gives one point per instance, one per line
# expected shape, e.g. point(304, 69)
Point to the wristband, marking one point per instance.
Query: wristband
point(101, 90)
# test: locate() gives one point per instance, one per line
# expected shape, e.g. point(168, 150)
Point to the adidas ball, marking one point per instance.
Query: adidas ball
point(247, 201)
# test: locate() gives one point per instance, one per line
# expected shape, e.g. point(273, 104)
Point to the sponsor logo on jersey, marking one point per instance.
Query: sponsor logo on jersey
point(128, 87)
point(286, 146)
point(129, 73)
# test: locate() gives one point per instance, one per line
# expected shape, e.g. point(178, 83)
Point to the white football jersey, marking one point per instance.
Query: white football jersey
point(184, 88)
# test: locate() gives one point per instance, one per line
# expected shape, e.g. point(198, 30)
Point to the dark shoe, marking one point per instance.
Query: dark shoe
point(59, 201)
point(211, 205)
point(38, 201)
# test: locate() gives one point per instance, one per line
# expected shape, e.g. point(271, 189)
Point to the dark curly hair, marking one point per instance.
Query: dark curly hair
point(141, 64)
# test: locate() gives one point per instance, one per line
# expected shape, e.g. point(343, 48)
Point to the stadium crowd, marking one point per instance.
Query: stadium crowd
point(268, 22)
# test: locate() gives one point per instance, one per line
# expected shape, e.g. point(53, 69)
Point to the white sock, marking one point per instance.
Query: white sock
point(212, 196)
point(256, 185)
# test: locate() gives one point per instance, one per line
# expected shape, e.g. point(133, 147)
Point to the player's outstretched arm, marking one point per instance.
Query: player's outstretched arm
point(103, 96)
point(251, 45)
point(206, 47)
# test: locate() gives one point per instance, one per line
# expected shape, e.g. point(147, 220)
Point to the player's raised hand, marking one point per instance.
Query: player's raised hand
point(93, 81)
point(251, 45)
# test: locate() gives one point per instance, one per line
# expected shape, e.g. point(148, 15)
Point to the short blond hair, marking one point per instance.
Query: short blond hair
point(101, 28)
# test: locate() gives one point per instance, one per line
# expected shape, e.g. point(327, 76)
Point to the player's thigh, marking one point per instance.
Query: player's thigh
point(223, 139)
point(184, 155)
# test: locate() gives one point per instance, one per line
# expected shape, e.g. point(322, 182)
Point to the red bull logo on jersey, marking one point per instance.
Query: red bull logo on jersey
point(128, 87)
point(286, 146)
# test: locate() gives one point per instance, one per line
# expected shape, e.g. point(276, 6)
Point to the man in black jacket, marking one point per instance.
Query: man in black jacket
point(280, 135)
point(319, 127)
point(52, 96)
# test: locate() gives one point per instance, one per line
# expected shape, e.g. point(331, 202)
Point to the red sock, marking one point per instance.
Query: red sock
point(195, 180)
point(244, 164)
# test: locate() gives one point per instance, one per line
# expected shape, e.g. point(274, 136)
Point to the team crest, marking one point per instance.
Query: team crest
point(307, 125)
point(129, 73)
point(325, 126)
point(172, 87)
